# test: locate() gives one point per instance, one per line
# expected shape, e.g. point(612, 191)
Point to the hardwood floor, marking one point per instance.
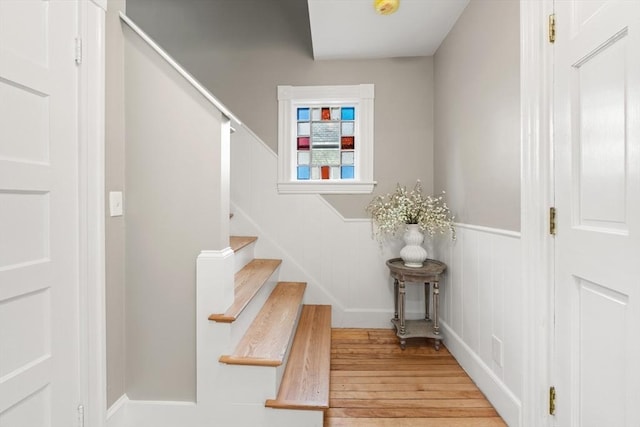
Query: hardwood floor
point(376, 384)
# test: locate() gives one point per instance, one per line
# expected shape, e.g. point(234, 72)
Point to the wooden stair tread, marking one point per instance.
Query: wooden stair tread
point(305, 384)
point(265, 342)
point(248, 282)
point(239, 242)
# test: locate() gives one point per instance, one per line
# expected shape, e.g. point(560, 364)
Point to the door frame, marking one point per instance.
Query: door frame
point(537, 195)
point(91, 176)
point(536, 84)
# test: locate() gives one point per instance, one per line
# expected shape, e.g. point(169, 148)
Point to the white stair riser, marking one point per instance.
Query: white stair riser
point(244, 256)
point(240, 384)
point(258, 377)
point(293, 418)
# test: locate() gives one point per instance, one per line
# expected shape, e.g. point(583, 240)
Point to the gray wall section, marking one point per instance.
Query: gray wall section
point(242, 50)
point(173, 212)
point(114, 181)
point(477, 115)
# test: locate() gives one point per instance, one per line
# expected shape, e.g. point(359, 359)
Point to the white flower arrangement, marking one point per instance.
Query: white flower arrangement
point(392, 212)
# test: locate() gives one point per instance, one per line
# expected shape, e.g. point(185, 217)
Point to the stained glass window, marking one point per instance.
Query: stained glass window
point(326, 142)
point(325, 139)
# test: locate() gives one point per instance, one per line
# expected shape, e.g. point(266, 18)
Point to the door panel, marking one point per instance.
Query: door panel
point(597, 196)
point(39, 224)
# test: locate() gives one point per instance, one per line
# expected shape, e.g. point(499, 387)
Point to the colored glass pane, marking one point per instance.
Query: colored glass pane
point(347, 157)
point(325, 134)
point(325, 143)
point(304, 157)
point(348, 172)
point(325, 172)
point(303, 172)
point(303, 143)
point(348, 128)
point(348, 142)
point(304, 129)
point(335, 172)
point(348, 113)
point(315, 172)
point(303, 114)
point(321, 157)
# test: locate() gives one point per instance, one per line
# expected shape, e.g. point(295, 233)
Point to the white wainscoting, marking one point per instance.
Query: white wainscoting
point(338, 258)
point(481, 302)
point(481, 312)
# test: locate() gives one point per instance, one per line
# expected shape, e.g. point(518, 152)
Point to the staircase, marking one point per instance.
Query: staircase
point(261, 355)
point(273, 361)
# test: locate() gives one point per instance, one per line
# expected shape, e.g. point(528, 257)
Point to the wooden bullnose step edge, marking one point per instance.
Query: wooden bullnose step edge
point(265, 342)
point(238, 242)
point(305, 384)
point(248, 282)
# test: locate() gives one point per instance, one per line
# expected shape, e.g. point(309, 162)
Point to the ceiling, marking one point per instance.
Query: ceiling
point(352, 29)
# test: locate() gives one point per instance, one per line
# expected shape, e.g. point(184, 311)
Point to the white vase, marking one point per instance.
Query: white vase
point(413, 254)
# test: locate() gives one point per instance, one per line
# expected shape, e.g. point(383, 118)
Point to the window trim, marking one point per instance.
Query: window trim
point(289, 98)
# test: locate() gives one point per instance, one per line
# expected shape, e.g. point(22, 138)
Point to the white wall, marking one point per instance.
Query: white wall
point(176, 206)
point(338, 258)
point(481, 312)
point(477, 162)
point(114, 181)
point(481, 294)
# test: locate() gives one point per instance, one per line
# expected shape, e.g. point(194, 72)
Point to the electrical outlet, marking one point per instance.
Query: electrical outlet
point(115, 203)
point(496, 350)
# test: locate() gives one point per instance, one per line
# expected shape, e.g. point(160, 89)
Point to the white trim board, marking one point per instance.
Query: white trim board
point(91, 169)
point(506, 403)
point(141, 413)
point(536, 68)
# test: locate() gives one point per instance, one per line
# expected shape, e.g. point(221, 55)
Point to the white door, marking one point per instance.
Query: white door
point(597, 195)
point(39, 223)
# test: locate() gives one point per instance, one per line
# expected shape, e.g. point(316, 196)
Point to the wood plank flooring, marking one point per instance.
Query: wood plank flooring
point(376, 384)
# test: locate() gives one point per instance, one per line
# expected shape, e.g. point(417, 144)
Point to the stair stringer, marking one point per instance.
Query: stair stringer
point(240, 400)
point(244, 256)
point(216, 338)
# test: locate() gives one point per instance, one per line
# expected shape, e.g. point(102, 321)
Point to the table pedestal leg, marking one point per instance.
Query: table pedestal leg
point(436, 307)
point(426, 300)
point(401, 302)
point(395, 299)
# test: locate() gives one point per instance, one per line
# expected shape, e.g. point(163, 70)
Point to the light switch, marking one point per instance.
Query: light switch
point(115, 203)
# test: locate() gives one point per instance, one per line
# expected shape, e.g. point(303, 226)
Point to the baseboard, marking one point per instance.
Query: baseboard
point(116, 416)
point(506, 403)
point(366, 319)
point(143, 413)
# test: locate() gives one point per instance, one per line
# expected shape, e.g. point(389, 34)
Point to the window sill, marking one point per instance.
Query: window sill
point(326, 187)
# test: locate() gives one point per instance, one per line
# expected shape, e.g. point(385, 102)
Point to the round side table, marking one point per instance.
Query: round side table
point(429, 274)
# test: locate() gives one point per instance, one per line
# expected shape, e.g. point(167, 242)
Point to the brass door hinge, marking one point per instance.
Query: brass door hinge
point(552, 28)
point(552, 400)
point(552, 221)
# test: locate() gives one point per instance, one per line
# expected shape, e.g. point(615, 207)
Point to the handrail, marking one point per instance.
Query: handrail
point(188, 77)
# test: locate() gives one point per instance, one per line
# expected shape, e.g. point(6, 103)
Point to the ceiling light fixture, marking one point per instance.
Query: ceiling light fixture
point(386, 7)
